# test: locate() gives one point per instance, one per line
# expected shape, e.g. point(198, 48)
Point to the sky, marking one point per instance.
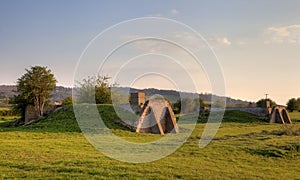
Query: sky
point(257, 42)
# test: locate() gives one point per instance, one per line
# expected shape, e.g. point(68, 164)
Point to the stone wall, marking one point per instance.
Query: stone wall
point(31, 114)
point(137, 101)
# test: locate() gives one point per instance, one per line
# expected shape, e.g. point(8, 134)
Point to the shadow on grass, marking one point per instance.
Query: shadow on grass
point(288, 150)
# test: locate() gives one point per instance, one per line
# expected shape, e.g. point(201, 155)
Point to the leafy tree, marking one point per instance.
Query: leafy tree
point(67, 101)
point(219, 104)
point(293, 104)
point(189, 105)
point(176, 106)
point(94, 88)
point(19, 105)
point(119, 97)
point(34, 88)
point(202, 103)
point(261, 103)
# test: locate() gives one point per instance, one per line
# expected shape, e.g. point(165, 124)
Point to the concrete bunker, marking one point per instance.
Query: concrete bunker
point(156, 116)
point(279, 114)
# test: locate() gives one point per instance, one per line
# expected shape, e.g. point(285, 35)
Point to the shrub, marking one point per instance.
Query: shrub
point(6, 112)
point(67, 101)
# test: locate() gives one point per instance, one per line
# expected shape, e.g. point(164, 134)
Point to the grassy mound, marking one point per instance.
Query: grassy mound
point(233, 116)
point(63, 120)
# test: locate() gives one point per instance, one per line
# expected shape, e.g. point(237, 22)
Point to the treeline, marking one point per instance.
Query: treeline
point(293, 104)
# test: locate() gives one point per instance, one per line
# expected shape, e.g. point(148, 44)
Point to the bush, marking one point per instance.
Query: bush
point(94, 88)
point(6, 112)
point(262, 102)
point(293, 104)
point(68, 101)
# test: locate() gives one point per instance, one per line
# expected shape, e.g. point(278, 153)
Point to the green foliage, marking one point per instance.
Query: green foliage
point(189, 105)
point(19, 105)
point(67, 101)
point(202, 103)
point(262, 102)
point(176, 107)
point(34, 88)
point(219, 103)
point(6, 112)
point(119, 97)
point(94, 88)
point(4, 101)
point(293, 104)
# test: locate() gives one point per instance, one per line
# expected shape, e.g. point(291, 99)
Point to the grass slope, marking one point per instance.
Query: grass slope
point(244, 147)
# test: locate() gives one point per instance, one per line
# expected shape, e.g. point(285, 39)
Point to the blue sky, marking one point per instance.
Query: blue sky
point(257, 42)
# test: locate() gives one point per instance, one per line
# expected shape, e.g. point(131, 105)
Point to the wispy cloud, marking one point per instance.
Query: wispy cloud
point(284, 34)
point(155, 15)
point(219, 41)
point(165, 14)
point(188, 40)
point(225, 41)
point(174, 11)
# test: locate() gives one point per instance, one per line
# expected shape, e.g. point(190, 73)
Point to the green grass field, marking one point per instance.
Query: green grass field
point(244, 148)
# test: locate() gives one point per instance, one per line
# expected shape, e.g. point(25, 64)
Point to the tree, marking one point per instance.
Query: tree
point(34, 88)
point(202, 103)
point(19, 105)
point(261, 103)
point(119, 97)
point(187, 105)
point(293, 104)
point(219, 103)
point(67, 101)
point(94, 88)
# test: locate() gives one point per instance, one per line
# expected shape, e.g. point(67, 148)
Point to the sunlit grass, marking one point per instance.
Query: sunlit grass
point(295, 116)
point(54, 148)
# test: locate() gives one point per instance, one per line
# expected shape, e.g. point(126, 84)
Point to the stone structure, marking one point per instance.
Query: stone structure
point(157, 117)
point(280, 115)
point(267, 106)
point(32, 115)
point(137, 101)
point(277, 114)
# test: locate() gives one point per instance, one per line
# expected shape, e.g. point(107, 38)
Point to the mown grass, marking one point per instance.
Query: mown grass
point(244, 148)
point(295, 116)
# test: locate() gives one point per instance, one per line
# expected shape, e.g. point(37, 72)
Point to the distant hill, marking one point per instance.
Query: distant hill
point(173, 96)
point(61, 93)
point(7, 91)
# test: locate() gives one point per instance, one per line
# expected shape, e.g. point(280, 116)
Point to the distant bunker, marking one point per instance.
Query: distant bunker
point(277, 114)
point(156, 114)
point(280, 115)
